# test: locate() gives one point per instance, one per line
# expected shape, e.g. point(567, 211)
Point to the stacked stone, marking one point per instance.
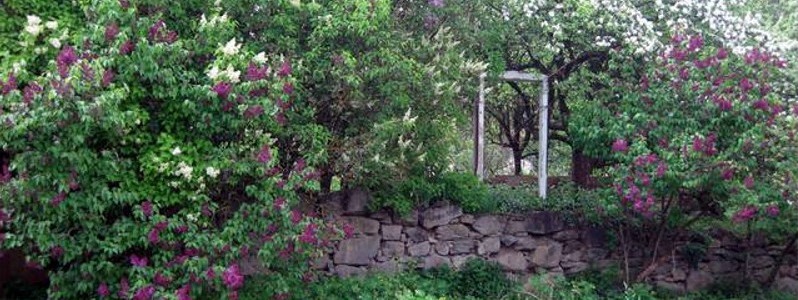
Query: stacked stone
point(533, 243)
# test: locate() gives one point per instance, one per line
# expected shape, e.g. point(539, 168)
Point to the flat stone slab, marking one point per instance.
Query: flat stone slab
point(357, 251)
point(438, 216)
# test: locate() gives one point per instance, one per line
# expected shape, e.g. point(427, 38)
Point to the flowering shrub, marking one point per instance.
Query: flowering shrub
point(144, 160)
point(703, 134)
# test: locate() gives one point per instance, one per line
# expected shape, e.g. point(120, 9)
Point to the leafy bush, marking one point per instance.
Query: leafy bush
point(463, 189)
point(148, 162)
point(482, 279)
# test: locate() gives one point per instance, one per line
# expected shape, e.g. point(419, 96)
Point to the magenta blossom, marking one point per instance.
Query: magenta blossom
point(232, 295)
point(154, 236)
point(232, 277)
point(210, 274)
point(124, 288)
point(772, 211)
point(696, 42)
point(285, 69)
point(146, 208)
point(30, 91)
point(56, 251)
point(436, 3)
point(162, 280)
point(58, 198)
point(288, 88)
point(127, 47)
point(145, 293)
point(111, 31)
point(278, 203)
point(253, 112)
point(255, 73)
point(137, 261)
point(296, 216)
point(745, 214)
point(746, 85)
point(309, 234)
point(620, 145)
point(103, 291)
point(108, 77)
point(222, 89)
point(748, 182)
point(727, 174)
point(280, 119)
point(722, 54)
point(349, 230)
point(264, 155)
point(184, 293)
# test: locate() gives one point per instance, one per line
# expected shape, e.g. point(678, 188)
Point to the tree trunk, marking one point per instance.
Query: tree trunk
point(325, 178)
point(518, 156)
point(581, 168)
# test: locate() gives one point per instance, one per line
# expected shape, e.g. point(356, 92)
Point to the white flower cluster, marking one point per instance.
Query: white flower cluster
point(184, 170)
point(230, 74)
point(641, 25)
point(231, 48)
point(215, 20)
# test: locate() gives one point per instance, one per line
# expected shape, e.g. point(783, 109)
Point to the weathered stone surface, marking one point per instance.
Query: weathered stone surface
point(761, 262)
point(467, 219)
point(462, 247)
point(488, 225)
point(539, 223)
point(719, 267)
point(356, 202)
point(442, 248)
point(673, 287)
point(452, 232)
point(435, 260)
point(787, 284)
point(547, 255)
point(381, 216)
point(390, 266)
point(357, 251)
point(408, 220)
point(566, 235)
point(420, 249)
point(393, 249)
point(321, 263)
point(391, 232)
point(594, 237)
point(575, 256)
point(438, 216)
point(489, 245)
point(459, 261)
point(698, 280)
point(509, 240)
point(574, 267)
point(678, 274)
point(416, 235)
point(512, 260)
point(348, 271)
point(596, 254)
point(363, 225)
point(528, 243)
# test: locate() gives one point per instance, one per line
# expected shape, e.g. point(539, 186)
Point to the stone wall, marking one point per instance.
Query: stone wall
point(539, 242)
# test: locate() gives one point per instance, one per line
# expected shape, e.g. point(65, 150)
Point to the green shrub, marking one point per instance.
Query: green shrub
point(482, 279)
point(463, 189)
point(134, 172)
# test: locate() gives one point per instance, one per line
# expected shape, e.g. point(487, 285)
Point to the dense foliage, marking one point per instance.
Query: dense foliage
point(144, 163)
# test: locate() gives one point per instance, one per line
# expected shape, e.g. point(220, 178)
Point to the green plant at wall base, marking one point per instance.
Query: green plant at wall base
point(462, 189)
point(483, 280)
point(144, 162)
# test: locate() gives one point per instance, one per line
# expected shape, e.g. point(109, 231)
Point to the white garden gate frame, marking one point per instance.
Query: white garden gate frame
point(543, 119)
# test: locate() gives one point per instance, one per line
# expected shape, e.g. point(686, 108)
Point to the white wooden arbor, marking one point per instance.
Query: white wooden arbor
point(543, 119)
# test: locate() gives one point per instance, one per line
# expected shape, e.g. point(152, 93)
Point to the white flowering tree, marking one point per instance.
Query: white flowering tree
point(580, 43)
